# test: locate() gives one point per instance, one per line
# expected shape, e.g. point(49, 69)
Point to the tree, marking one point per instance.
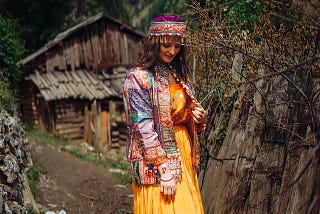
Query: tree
point(261, 88)
point(10, 50)
point(40, 21)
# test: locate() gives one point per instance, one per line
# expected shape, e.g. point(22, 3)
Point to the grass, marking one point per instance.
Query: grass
point(33, 174)
point(118, 164)
point(44, 138)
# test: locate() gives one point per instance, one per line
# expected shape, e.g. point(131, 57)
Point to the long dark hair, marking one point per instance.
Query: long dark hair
point(148, 58)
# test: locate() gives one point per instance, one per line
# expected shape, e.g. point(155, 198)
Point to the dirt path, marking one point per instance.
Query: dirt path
point(77, 186)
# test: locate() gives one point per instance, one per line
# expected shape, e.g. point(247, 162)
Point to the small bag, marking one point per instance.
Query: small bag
point(143, 174)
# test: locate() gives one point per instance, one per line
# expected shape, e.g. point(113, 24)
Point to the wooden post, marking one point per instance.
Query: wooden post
point(97, 126)
point(113, 123)
point(108, 119)
point(41, 113)
point(52, 119)
point(103, 129)
point(87, 129)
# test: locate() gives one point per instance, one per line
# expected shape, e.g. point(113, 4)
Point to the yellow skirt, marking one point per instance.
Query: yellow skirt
point(149, 200)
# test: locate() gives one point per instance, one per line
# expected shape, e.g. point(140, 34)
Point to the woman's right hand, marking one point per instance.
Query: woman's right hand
point(198, 112)
point(167, 184)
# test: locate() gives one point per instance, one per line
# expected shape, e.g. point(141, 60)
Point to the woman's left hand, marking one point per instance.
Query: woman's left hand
point(198, 112)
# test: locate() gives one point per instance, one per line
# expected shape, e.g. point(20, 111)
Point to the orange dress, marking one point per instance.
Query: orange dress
point(148, 199)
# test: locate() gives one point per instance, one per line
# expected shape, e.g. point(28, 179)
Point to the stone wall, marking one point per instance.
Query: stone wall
point(13, 162)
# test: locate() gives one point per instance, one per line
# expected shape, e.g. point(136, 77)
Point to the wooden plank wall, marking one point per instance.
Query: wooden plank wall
point(118, 124)
point(44, 115)
point(97, 125)
point(70, 119)
point(28, 107)
point(100, 45)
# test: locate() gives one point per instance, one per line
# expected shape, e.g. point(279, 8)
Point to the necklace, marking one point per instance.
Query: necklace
point(182, 83)
point(166, 69)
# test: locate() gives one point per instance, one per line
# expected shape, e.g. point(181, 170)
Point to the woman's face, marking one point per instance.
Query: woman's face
point(168, 51)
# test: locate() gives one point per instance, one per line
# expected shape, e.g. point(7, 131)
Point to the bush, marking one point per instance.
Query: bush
point(10, 51)
point(7, 99)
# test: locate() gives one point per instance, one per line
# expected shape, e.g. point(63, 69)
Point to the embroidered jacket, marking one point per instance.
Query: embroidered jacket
point(150, 127)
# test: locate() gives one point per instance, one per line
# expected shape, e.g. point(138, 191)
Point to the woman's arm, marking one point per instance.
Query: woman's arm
point(139, 111)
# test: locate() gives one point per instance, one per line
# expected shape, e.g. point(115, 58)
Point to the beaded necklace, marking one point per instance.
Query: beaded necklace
point(166, 69)
point(182, 82)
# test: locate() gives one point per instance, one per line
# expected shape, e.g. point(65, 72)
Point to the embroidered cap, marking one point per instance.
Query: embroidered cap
point(163, 27)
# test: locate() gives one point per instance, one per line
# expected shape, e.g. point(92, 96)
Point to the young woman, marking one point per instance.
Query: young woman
point(163, 118)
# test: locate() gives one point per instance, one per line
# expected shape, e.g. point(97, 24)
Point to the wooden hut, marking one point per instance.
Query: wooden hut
point(72, 87)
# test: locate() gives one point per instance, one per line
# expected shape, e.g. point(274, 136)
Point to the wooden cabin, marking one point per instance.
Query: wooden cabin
point(72, 87)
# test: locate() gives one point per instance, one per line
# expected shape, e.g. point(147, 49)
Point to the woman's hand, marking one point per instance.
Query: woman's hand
point(167, 183)
point(198, 112)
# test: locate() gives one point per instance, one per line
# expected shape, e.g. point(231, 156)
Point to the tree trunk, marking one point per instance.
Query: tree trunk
point(268, 161)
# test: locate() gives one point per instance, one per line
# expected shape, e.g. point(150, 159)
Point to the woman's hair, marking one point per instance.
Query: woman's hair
point(148, 58)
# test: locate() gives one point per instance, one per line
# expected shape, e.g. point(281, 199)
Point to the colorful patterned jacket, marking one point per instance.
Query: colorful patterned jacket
point(150, 128)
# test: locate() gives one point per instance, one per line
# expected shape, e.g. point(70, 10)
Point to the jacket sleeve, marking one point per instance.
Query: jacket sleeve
point(139, 110)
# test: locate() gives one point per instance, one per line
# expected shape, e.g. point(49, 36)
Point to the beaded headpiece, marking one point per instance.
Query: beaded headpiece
point(163, 27)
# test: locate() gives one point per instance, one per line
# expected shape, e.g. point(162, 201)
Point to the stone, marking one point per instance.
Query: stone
point(13, 163)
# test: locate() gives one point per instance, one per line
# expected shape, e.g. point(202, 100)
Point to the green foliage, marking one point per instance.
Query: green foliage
point(245, 13)
point(39, 20)
point(115, 8)
point(221, 134)
point(242, 13)
point(33, 174)
point(118, 164)
point(175, 7)
point(157, 9)
point(7, 100)
point(10, 50)
point(297, 80)
point(45, 138)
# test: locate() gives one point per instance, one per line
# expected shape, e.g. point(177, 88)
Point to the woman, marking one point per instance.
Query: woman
point(163, 118)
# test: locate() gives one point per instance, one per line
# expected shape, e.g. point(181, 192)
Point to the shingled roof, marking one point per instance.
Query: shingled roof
point(81, 84)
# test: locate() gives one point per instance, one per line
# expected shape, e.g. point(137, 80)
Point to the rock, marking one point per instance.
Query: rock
point(120, 186)
point(10, 168)
point(120, 171)
point(52, 212)
point(13, 163)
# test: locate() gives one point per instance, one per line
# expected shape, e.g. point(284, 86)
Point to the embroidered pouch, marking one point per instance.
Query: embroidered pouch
point(143, 174)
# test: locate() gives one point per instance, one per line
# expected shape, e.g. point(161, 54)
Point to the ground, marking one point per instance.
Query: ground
point(78, 186)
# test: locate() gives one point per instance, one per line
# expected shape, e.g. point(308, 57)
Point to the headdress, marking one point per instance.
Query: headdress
point(163, 27)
